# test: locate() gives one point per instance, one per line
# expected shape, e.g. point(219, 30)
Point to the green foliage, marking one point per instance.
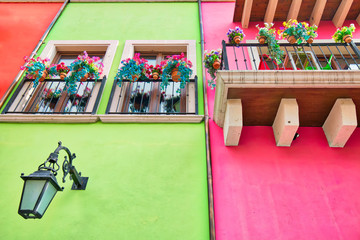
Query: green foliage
point(270, 38)
point(302, 31)
point(235, 32)
point(340, 33)
point(183, 66)
point(131, 69)
point(209, 59)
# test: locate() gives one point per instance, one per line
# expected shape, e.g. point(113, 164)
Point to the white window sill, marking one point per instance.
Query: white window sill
point(88, 118)
point(151, 118)
point(49, 118)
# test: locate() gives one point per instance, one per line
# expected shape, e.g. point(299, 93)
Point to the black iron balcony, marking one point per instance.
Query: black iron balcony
point(316, 56)
point(145, 96)
point(49, 97)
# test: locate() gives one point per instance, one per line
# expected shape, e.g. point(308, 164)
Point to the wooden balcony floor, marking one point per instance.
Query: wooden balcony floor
point(260, 105)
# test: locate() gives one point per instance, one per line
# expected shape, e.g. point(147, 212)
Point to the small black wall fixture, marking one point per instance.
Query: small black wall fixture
point(41, 186)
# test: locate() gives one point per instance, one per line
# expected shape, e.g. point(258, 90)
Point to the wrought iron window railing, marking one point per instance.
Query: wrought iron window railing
point(146, 97)
point(49, 97)
point(316, 56)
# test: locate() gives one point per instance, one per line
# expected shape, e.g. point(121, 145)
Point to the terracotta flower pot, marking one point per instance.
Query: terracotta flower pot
point(216, 64)
point(137, 106)
point(291, 39)
point(85, 77)
point(262, 39)
point(310, 40)
point(62, 76)
point(155, 75)
point(135, 78)
point(175, 75)
point(53, 103)
point(44, 75)
point(237, 39)
point(347, 38)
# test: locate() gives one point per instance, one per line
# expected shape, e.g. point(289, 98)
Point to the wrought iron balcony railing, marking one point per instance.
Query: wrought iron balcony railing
point(49, 97)
point(146, 97)
point(316, 56)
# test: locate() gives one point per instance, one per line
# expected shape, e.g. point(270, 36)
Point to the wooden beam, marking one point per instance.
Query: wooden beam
point(246, 13)
point(294, 9)
point(270, 11)
point(286, 122)
point(239, 6)
point(317, 12)
point(341, 122)
point(233, 122)
point(358, 19)
point(342, 12)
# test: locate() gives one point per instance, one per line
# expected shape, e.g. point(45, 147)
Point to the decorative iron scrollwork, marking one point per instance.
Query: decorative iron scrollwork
point(51, 164)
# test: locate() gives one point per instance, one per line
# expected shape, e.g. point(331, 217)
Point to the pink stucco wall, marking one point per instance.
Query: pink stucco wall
point(263, 192)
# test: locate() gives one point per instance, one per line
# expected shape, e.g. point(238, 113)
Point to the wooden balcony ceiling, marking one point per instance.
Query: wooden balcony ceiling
point(312, 11)
point(260, 105)
point(261, 92)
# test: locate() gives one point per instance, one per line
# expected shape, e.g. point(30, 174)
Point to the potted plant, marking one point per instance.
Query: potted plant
point(153, 72)
point(236, 35)
point(172, 104)
point(344, 34)
point(62, 70)
point(50, 97)
point(212, 64)
point(85, 67)
point(82, 68)
point(36, 69)
point(131, 69)
point(80, 100)
point(267, 35)
point(178, 68)
point(265, 32)
point(139, 101)
point(310, 33)
point(294, 31)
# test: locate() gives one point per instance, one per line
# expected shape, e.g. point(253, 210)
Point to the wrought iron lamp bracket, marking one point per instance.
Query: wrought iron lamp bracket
point(51, 165)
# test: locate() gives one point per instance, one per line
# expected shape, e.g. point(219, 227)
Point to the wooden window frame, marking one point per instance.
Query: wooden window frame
point(52, 50)
point(154, 105)
point(54, 47)
point(152, 47)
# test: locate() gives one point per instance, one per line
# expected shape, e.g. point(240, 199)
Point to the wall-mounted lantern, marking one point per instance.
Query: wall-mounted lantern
point(41, 186)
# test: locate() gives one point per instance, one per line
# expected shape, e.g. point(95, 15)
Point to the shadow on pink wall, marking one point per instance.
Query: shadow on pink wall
point(307, 191)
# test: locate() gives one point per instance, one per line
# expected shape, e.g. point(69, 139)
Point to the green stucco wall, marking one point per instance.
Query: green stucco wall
point(146, 181)
point(130, 21)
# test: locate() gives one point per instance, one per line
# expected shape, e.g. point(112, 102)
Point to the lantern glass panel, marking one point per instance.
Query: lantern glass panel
point(49, 193)
point(32, 190)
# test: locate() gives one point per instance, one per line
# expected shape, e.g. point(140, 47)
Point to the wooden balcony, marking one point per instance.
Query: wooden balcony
point(315, 76)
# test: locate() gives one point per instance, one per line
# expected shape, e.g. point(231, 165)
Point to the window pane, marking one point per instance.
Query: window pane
point(32, 190)
point(146, 95)
point(78, 101)
point(140, 97)
point(151, 59)
point(69, 58)
point(171, 103)
point(50, 96)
